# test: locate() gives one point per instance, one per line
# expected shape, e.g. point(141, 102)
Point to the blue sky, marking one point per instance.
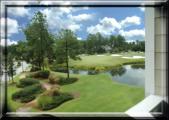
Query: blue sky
point(128, 21)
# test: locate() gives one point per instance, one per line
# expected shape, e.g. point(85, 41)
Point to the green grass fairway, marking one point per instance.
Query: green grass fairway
point(107, 60)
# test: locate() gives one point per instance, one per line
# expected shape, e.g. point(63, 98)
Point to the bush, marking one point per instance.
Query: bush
point(53, 79)
point(33, 69)
point(48, 102)
point(27, 98)
point(27, 82)
point(65, 81)
point(99, 68)
point(61, 69)
point(52, 92)
point(28, 93)
point(43, 74)
point(39, 74)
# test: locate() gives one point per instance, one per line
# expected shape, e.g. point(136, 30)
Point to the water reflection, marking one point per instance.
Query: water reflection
point(132, 76)
point(128, 74)
point(118, 71)
point(137, 66)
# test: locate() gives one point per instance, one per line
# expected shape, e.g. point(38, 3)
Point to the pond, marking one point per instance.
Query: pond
point(128, 74)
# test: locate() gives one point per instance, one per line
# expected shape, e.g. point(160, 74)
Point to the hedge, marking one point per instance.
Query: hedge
point(40, 74)
point(27, 82)
point(65, 81)
point(28, 93)
point(49, 102)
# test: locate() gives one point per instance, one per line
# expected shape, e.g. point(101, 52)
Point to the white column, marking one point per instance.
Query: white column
point(149, 50)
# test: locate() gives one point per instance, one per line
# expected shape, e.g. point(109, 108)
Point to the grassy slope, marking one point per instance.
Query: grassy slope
point(98, 93)
point(13, 105)
point(107, 60)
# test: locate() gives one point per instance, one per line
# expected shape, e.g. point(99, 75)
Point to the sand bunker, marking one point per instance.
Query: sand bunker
point(134, 57)
point(100, 55)
point(138, 57)
point(116, 55)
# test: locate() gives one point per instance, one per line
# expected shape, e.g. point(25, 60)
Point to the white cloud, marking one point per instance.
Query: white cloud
point(106, 22)
point(133, 20)
point(133, 33)
point(81, 17)
point(79, 38)
point(129, 40)
point(142, 9)
point(57, 11)
point(12, 26)
point(106, 26)
point(58, 19)
point(18, 11)
point(9, 42)
point(74, 27)
point(66, 9)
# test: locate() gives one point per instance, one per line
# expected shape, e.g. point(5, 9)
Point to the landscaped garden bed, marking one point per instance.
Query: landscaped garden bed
point(27, 94)
point(53, 99)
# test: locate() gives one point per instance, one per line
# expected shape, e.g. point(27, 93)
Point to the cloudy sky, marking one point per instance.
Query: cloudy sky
point(128, 22)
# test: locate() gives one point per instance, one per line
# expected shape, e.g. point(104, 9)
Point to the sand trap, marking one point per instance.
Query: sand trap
point(127, 57)
point(138, 57)
point(116, 55)
point(134, 57)
point(100, 55)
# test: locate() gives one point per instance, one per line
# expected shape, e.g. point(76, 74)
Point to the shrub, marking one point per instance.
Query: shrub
point(27, 82)
point(32, 75)
point(53, 79)
point(52, 92)
point(33, 69)
point(61, 69)
point(48, 102)
point(65, 81)
point(27, 98)
point(39, 74)
point(28, 93)
point(99, 68)
point(43, 74)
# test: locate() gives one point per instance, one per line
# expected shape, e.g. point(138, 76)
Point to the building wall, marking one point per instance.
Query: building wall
point(156, 51)
point(160, 51)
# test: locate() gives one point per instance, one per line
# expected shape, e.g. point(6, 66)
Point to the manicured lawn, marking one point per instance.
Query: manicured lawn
point(94, 93)
point(106, 60)
point(98, 93)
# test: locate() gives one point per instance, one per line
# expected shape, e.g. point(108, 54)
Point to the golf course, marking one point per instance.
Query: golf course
point(63, 70)
point(91, 93)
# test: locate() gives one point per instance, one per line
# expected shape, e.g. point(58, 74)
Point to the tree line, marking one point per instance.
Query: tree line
point(41, 48)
